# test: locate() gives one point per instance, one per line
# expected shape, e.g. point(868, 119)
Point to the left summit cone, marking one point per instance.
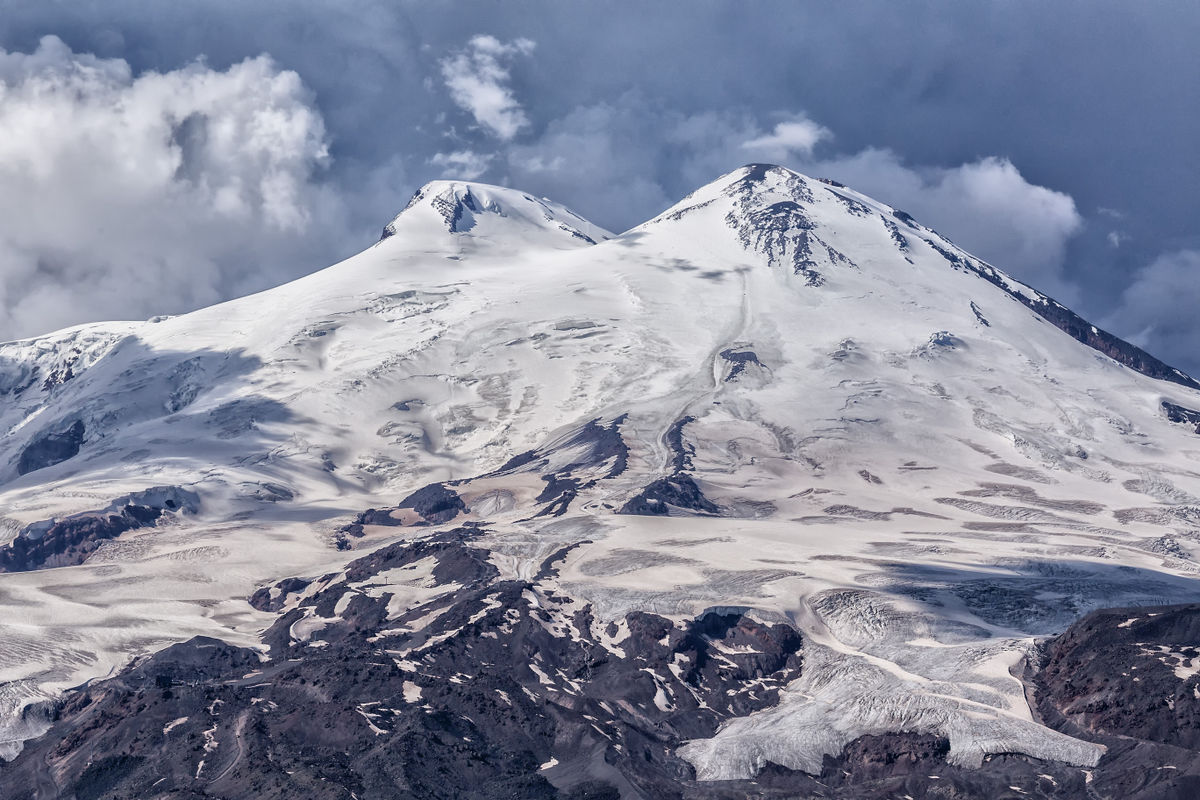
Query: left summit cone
point(489, 211)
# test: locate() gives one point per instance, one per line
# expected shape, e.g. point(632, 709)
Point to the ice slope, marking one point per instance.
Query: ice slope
point(814, 407)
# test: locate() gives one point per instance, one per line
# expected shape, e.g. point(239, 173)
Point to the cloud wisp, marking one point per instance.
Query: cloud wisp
point(464, 165)
point(478, 80)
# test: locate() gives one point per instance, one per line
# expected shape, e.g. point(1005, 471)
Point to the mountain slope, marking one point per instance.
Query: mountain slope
point(779, 400)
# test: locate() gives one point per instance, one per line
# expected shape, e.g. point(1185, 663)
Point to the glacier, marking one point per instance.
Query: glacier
point(805, 404)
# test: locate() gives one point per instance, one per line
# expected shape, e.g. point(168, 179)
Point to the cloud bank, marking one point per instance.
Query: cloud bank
point(1158, 309)
point(126, 196)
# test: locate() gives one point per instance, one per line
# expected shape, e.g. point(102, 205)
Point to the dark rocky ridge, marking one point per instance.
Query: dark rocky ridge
point(597, 453)
point(510, 689)
point(1071, 323)
point(1131, 672)
point(602, 445)
point(1182, 415)
point(659, 497)
point(1115, 348)
point(781, 231)
point(679, 490)
point(71, 540)
point(1124, 677)
point(682, 449)
point(434, 503)
point(469, 706)
point(739, 358)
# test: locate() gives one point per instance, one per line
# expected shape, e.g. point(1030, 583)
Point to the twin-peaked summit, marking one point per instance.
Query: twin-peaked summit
point(778, 395)
point(812, 227)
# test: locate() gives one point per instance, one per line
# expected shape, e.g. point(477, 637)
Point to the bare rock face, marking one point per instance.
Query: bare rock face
point(1185, 416)
point(1130, 678)
point(52, 447)
point(1131, 672)
point(71, 540)
point(678, 491)
point(512, 690)
point(435, 503)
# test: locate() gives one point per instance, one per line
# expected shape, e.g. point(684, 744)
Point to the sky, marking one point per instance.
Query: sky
point(157, 157)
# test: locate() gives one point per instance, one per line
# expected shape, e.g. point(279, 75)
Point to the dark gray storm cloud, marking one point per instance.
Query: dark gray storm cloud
point(1056, 140)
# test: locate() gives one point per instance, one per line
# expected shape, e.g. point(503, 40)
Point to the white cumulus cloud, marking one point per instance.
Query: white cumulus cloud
point(793, 137)
point(125, 196)
point(478, 80)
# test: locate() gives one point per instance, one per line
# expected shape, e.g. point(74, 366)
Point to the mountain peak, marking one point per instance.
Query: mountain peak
point(748, 179)
point(821, 230)
point(464, 207)
point(791, 469)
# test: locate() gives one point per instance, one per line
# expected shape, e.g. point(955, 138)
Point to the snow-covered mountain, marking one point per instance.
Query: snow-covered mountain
point(886, 467)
